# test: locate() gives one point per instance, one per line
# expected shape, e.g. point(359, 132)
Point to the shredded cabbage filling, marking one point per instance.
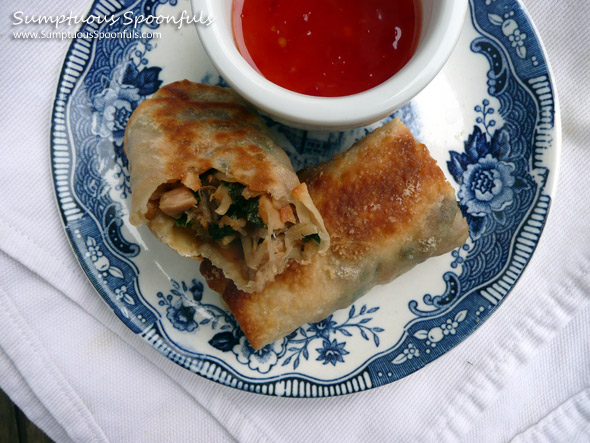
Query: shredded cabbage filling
point(224, 211)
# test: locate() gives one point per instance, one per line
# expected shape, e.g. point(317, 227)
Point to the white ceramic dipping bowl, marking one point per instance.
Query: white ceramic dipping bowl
point(442, 21)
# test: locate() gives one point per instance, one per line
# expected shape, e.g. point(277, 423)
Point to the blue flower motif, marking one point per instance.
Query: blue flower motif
point(182, 317)
point(112, 109)
point(486, 186)
point(196, 290)
point(323, 328)
point(488, 178)
point(449, 327)
point(517, 38)
point(101, 263)
point(261, 360)
point(115, 104)
point(332, 352)
point(411, 351)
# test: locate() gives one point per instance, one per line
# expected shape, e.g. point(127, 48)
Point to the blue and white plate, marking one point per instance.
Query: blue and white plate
point(490, 119)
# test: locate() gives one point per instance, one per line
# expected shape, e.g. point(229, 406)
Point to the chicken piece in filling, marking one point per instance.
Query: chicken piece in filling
point(220, 210)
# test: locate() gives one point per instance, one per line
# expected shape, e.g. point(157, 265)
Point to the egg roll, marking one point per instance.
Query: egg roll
point(387, 207)
point(209, 181)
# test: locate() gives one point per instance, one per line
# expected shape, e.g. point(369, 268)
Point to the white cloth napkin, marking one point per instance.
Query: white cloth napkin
point(81, 375)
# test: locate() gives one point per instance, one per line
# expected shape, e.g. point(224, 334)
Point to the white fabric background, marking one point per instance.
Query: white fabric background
point(80, 375)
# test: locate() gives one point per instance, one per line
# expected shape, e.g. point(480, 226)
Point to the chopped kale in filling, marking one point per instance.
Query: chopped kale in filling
point(183, 221)
point(315, 237)
point(218, 232)
point(242, 207)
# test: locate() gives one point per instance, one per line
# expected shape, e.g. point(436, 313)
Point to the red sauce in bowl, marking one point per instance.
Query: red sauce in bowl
point(327, 48)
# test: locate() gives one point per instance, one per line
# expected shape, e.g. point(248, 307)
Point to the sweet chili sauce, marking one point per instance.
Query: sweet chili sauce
point(327, 48)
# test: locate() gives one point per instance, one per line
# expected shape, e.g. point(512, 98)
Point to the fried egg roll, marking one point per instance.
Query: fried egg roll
point(209, 181)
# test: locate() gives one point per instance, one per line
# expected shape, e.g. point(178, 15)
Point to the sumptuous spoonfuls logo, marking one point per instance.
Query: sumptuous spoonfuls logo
point(118, 26)
point(127, 19)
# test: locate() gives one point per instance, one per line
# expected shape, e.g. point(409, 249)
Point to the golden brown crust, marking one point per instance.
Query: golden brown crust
point(201, 127)
point(387, 207)
point(372, 191)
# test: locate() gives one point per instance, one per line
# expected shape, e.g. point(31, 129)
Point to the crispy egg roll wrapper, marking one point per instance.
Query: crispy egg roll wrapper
point(188, 130)
point(387, 207)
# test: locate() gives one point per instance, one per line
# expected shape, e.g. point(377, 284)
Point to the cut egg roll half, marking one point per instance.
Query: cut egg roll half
point(209, 181)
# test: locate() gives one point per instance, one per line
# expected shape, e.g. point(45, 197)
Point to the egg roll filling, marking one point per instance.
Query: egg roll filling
point(218, 209)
